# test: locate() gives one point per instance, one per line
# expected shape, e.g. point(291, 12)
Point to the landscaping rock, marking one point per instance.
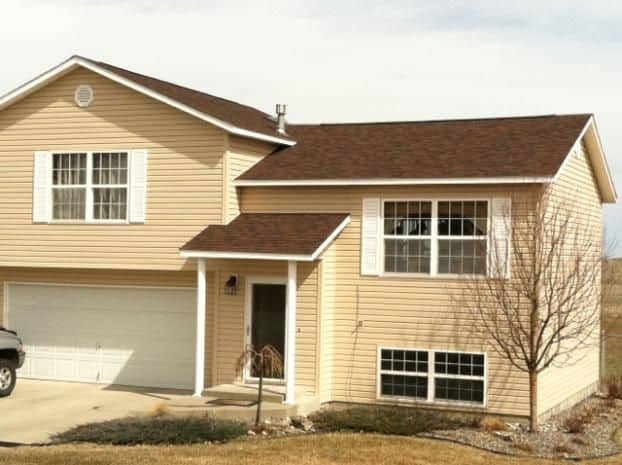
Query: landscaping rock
point(504, 435)
point(552, 440)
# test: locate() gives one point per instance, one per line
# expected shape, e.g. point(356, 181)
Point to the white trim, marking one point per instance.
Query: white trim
point(433, 237)
point(248, 322)
point(431, 376)
point(290, 333)
point(591, 124)
point(270, 256)
point(89, 186)
point(245, 255)
point(75, 61)
point(331, 238)
point(201, 320)
point(395, 181)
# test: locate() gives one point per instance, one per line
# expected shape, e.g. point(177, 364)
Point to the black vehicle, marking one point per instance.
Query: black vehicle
point(12, 357)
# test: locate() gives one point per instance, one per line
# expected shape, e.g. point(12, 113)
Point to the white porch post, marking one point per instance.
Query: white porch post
point(290, 335)
point(199, 369)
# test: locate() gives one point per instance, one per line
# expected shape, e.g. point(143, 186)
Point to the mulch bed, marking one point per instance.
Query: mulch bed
point(554, 440)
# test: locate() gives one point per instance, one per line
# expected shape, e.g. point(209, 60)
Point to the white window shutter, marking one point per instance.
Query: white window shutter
point(42, 187)
point(138, 186)
point(500, 237)
point(370, 237)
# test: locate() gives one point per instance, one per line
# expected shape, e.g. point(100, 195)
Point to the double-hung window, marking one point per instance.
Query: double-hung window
point(407, 237)
point(435, 236)
point(90, 186)
point(432, 376)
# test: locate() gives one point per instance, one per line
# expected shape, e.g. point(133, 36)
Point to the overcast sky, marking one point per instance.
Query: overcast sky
point(350, 60)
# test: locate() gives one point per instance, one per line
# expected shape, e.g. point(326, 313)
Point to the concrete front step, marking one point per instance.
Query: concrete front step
point(246, 392)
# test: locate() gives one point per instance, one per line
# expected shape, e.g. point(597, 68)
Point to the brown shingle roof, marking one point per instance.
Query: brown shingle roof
point(268, 233)
point(241, 116)
point(499, 147)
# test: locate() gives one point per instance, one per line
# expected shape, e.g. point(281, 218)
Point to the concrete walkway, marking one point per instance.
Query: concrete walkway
point(39, 409)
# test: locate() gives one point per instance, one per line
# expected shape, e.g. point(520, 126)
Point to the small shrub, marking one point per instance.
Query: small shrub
point(524, 447)
point(384, 420)
point(155, 430)
point(491, 424)
point(158, 410)
point(563, 449)
point(614, 387)
point(576, 422)
point(611, 403)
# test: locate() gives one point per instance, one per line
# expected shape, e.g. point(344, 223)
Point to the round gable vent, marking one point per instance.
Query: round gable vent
point(84, 96)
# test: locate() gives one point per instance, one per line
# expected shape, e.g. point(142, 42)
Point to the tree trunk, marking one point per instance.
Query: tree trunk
point(533, 402)
point(259, 398)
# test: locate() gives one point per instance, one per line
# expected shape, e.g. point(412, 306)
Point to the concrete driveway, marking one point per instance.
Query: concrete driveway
point(39, 409)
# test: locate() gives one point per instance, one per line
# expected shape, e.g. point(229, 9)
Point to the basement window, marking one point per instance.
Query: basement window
point(432, 376)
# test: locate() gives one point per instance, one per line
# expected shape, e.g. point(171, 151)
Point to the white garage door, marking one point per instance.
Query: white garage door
point(128, 336)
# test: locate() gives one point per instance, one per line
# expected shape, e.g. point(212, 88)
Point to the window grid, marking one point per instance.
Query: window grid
point(404, 373)
point(90, 186)
point(453, 240)
point(407, 236)
point(432, 376)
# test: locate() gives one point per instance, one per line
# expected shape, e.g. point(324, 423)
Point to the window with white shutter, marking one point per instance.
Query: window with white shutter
point(370, 237)
point(138, 186)
point(434, 237)
point(97, 187)
point(42, 178)
point(500, 235)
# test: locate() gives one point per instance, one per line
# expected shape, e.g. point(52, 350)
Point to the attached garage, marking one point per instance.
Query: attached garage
point(114, 335)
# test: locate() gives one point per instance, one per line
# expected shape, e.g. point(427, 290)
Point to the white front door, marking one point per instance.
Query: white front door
point(265, 319)
point(127, 336)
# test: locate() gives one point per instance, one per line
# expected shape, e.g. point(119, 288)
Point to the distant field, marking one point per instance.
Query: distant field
point(612, 320)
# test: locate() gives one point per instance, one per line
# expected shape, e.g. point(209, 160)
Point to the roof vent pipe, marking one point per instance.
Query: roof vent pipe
point(281, 109)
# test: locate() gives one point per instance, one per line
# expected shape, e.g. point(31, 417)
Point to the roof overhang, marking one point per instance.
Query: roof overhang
point(589, 135)
point(74, 62)
point(270, 256)
point(394, 181)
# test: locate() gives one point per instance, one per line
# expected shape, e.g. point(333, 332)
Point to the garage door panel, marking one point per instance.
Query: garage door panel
point(132, 336)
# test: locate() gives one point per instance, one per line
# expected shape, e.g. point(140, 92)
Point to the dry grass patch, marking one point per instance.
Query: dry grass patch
point(328, 449)
point(491, 424)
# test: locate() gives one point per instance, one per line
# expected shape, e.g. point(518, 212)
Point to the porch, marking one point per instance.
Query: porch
point(257, 284)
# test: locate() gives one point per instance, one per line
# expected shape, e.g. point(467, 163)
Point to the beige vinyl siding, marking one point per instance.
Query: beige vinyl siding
point(327, 322)
point(576, 187)
point(242, 154)
point(370, 312)
point(228, 331)
point(184, 182)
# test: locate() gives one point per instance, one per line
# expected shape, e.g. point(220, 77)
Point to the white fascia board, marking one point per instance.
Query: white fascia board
point(71, 63)
point(38, 82)
point(610, 194)
point(270, 256)
point(331, 238)
point(395, 181)
point(245, 255)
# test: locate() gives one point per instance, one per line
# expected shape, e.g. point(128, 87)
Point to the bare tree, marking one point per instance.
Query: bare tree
point(545, 311)
point(265, 362)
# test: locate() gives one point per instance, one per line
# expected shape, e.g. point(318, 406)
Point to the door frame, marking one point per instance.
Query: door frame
point(248, 321)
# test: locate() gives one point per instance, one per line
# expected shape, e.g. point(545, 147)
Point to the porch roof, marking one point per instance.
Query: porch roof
point(269, 236)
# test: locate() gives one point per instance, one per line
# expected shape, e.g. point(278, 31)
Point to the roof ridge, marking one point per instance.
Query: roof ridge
point(446, 120)
point(191, 89)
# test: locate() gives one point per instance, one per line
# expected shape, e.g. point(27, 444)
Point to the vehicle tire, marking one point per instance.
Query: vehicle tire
point(7, 377)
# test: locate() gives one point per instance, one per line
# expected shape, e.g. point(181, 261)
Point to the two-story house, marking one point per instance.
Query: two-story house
point(149, 232)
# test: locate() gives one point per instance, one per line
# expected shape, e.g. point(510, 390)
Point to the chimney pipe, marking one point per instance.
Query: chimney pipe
point(281, 109)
